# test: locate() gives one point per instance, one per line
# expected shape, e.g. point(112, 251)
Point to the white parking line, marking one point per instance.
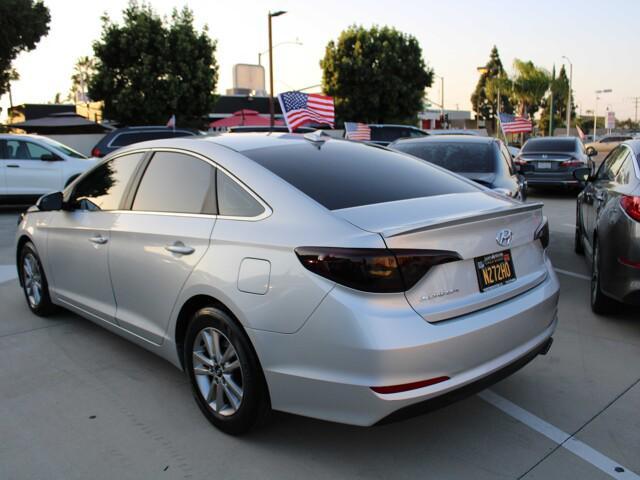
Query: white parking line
point(578, 448)
point(7, 272)
point(572, 274)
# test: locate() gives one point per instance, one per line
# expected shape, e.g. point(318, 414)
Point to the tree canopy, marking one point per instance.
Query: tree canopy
point(529, 84)
point(149, 68)
point(559, 86)
point(493, 81)
point(375, 75)
point(22, 24)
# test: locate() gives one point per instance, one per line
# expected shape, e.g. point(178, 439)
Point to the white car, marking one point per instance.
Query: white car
point(32, 165)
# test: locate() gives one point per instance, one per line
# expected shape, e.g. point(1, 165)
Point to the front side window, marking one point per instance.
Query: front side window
point(177, 183)
point(103, 187)
point(235, 201)
point(610, 165)
point(506, 156)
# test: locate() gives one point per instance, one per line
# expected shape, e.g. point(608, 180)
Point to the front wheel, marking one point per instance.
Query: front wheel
point(600, 303)
point(34, 282)
point(225, 375)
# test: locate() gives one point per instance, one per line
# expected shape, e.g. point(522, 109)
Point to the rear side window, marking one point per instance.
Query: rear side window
point(177, 183)
point(103, 187)
point(550, 145)
point(128, 138)
point(340, 174)
point(235, 201)
point(457, 157)
point(386, 134)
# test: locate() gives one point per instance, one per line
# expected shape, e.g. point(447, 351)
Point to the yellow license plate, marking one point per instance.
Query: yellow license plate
point(494, 270)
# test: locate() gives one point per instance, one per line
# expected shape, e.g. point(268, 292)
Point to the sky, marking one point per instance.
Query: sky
point(600, 38)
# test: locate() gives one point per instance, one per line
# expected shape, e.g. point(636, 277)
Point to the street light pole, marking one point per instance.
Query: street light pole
point(569, 103)
point(271, 105)
point(595, 109)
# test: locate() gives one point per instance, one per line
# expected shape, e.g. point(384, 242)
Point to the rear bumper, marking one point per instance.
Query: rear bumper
point(624, 284)
point(353, 342)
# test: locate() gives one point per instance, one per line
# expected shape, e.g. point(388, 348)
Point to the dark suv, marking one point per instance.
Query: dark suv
point(122, 137)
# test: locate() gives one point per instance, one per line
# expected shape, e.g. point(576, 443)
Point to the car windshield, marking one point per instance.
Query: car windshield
point(70, 152)
point(469, 157)
point(342, 174)
point(550, 145)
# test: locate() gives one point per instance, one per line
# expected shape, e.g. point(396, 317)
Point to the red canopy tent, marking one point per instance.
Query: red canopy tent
point(244, 118)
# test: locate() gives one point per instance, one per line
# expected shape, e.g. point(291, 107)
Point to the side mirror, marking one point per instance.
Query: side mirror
point(591, 152)
point(582, 174)
point(50, 202)
point(49, 157)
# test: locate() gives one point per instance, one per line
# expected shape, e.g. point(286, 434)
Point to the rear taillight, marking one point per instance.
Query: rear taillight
point(572, 163)
point(95, 152)
point(377, 270)
point(409, 386)
point(631, 205)
point(542, 233)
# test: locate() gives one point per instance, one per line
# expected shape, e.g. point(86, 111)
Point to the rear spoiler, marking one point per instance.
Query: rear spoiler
point(458, 220)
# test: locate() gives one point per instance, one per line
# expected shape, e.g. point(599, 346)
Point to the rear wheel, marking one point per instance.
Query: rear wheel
point(600, 303)
point(34, 282)
point(226, 378)
point(578, 247)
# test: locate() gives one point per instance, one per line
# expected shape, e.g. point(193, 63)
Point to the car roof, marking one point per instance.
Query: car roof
point(447, 139)
point(22, 136)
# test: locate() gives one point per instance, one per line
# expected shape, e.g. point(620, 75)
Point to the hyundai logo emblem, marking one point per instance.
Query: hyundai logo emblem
point(504, 237)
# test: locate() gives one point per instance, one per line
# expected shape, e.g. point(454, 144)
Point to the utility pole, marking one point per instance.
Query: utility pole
point(595, 108)
point(570, 94)
point(636, 101)
point(272, 113)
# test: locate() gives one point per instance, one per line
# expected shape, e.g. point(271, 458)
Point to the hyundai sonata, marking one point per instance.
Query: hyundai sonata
point(299, 273)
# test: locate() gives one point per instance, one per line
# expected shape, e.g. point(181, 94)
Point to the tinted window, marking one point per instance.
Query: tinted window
point(104, 186)
point(457, 157)
point(626, 171)
point(19, 150)
point(235, 201)
point(177, 183)
point(506, 157)
point(128, 138)
point(550, 145)
point(387, 134)
point(611, 164)
point(341, 174)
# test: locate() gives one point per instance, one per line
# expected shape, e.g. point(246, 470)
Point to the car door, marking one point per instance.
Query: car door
point(156, 245)
point(78, 238)
point(31, 169)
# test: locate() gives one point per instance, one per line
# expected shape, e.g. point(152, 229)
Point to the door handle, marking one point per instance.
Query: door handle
point(99, 239)
point(180, 248)
point(13, 166)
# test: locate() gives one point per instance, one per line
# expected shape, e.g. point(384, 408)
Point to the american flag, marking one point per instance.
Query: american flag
point(357, 131)
point(580, 133)
point(300, 108)
point(515, 124)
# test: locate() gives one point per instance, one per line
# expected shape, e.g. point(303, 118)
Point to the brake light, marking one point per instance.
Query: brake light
point(542, 233)
point(572, 163)
point(95, 152)
point(409, 386)
point(631, 205)
point(377, 270)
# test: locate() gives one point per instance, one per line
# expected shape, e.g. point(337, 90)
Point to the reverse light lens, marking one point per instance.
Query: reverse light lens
point(372, 269)
point(631, 205)
point(409, 386)
point(542, 233)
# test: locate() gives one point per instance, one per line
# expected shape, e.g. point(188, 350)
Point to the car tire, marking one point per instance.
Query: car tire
point(578, 247)
point(600, 303)
point(226, 379)
point(34, 282)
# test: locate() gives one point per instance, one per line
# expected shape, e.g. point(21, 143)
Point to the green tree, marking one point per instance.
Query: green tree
point(375, 75)
point(493, 81)
point(83, 71)
point(530, 84)
point(22, 24)
point(148, 68)
point(559, 86)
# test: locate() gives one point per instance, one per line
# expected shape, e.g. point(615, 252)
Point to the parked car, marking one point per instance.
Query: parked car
point(123, 137)
point(605, 144)
point(32, 165)
point(275, 128)
point(608, 227)
point(485, 160)
point(551, 161)
point(454, 131)
point(382, 134)
point(302, 273)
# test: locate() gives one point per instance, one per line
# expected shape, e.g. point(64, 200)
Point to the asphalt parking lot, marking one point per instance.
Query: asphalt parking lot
point(77, 402)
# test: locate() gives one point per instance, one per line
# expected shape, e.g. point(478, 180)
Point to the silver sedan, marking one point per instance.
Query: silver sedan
point(299, 273)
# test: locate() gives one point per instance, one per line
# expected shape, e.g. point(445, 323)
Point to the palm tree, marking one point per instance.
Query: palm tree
point(530, 84)
point(83, 70)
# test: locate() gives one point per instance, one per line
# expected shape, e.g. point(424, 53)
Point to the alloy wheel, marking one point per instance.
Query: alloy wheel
point(32, 279)
point(218, 371)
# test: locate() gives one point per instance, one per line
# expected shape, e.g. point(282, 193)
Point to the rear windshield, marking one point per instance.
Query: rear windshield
point(458, 157)
point(550, 145)
point(340, 174)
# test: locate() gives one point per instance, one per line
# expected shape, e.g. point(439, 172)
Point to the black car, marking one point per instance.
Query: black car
point(266, 128)
point(382, 134)
point(122, 137)
point(485, 160)
point(551, 161)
